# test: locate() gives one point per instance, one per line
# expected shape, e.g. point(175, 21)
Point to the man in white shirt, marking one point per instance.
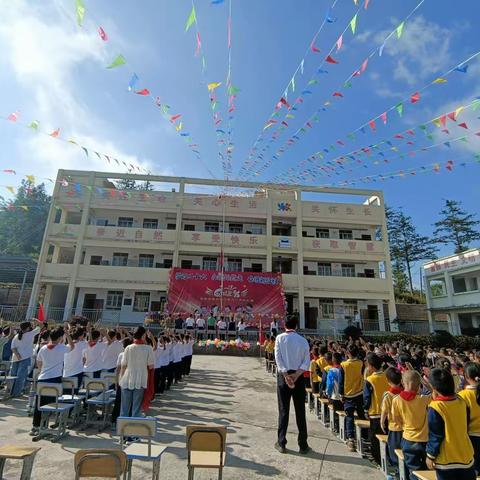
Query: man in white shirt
point(200, 327)
point(189, 323)
point(221, 327)
point(274, 327)
point(292, 356)
point(93, 355)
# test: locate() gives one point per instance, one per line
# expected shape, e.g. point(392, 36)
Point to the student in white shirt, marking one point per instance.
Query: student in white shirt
point(162, 359)
point(221, 327)
point(169, 344)
point(188, 353)
point(22, 351)
point(93, 355)
point(112, 350)
point(190, 323)
point(50, 360)
point(73, 361)
point(177, 359)
point(200, 327)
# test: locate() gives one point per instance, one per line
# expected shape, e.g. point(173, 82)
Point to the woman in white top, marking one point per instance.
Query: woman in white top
point(22, 351)
point(138, 358)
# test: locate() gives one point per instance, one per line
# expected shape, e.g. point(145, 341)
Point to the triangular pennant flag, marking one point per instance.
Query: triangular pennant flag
point(34, 125)
point(55, 133)
point(440, 80)
point(133, 82)
point(366, 4)
point(13, 117)
point(353, 23)
point(339, 42)
point(383, 116)
point(103, 34)
point(372, 124)
point(463, 125)
point(330, 59)
point(337, 94)
point(145, 91)
point(192, 18)
point(415, 97)
point(80, 11)
point(443, 120)
point(364, 65)
point(461, 69)
point(313, 48)
point(11, 190)
point(117, 61)
point(399, 108)
point(400, 29)
point(302, 64)
point(85, 150)
point(457, 111)
point(380, 49)
point(212, 86)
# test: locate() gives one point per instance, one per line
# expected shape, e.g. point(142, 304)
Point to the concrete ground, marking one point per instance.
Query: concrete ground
point(231, 391)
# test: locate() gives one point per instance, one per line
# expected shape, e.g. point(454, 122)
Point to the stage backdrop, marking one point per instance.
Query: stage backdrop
point(256, 294)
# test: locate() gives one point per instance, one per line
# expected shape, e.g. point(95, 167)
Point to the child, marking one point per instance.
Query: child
point(394, 379)
point(376, 385)
point(93, 355)
point(409, 411)
point(326, 368)
point(449, 450)
point(314, 371)
point(351, 389)
point(333, 383)
point(471, 395)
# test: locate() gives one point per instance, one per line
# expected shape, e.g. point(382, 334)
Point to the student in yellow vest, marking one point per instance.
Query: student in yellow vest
point(387, 422)
point(376, 385)
point(315, 372)
point(351, 389)
point(409, 411)
point(322, 362)
point(449, 450)
point(471, 395)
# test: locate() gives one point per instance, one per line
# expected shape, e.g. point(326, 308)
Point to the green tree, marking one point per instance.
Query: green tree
point(407, 246)
point(23, 220)
point(456, 227)
point(126, 184)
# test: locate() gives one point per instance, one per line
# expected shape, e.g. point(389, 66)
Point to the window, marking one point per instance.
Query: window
point(120, 259)
point(256, 229)
point(141, 302)
point(234, 265)
point(211, 226)
point(171, 226)
point(325, 269)
point(186, 264)
point(348, 270)
point(346, 235)
point(369, 273)
point(366, 237)
point(323, 233)
point(167, 263)
point(209, 263)
point(282, 231)
point(101, 222)
point(464, 284)
point(125, 222)
point(257, 267)
point(189, 228)
point(349, 309)
point(235, 228)
point(145, 260)
point(437, 288)
point(282, 265)
point(95, 260)
point(114, 300)
point(150, 223)
point(326, 307)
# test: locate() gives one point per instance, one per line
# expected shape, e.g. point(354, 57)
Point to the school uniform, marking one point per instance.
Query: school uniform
point(351, 388)
point(448, 443)
point(110, 355)
point(188, 356)
point(410, 410)
point(375, 387)
point(177, 361)
point(162, 359)
point(93, 356)
point(332, 389)
point(73, 362)
point(314, 376)
point(170, 372)
point(394, 441)
point(470, 397)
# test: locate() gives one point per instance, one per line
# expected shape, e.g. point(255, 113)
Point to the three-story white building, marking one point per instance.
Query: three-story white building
point(108, 252)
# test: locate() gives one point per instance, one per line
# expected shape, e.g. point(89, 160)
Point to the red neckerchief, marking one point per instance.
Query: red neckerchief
point(92, 344)
point(406, 395)
point(447, 398)
point(51, 346)
point(139, 342)
point(396, 390)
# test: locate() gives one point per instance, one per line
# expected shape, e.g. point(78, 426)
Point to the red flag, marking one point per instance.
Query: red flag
point(41, 313)
point(452, 116)
point(313, 48)
point(330, 59)
point(383, 116)
point(463, 125)
point(102, 34)
point(364, 65)
point(145, 91)
point(337, 94)
point(372, 124)
point(415, 97)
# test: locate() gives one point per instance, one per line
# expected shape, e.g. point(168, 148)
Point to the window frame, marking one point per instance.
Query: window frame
point(117, 255)
point(145, 256)
point(143, 308)
point(125, 222)
point(150, 223)
point(118, 296)
point(345, 234)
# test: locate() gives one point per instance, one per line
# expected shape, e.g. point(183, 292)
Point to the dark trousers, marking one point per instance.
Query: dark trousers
point(79, 377)
point(456, 474)
point(117, 405)
point(414, 455)
point(337, 407)
point(476, 448)
point(352, 405)
point(177, 371)
point(375, 429)
point(188, 364)
point(284, 395)
point(156, 379)
point(315, 387)
point(394, 442)
point(163, 378)
point(170, 375)
point(37, 415)
point(200, 333)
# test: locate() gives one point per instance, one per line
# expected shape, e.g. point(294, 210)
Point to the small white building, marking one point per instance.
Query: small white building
point(453, 296)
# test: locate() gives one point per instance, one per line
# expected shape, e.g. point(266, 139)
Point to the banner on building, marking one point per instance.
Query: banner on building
point(253, 294)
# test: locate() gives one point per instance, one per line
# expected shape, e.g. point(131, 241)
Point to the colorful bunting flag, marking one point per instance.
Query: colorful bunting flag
point(400, 29)
point(192, 18)
point(117, 61)
point(212, 86)
point(339, 42)
point(313, 48)
point(399, 108)
point(440, 80)
point(55, 133)
point(415, 97)
point(330, 59)
point(383, 116)
point(34, 125)
point(80, 11)
point(103, 34)
point(364, 65)
point(461, 69)
point(13, 117)
point(133, 82)
point(463, 125)
point(353, 23)
point(145, 91)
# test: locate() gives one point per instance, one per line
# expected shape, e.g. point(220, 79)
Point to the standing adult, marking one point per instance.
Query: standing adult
point(22, 351)
point(200, 323)
point(137, 360)
point(293, 359)
point(274, 327)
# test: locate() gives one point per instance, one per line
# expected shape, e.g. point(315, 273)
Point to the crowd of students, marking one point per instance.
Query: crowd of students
point(144, 364)
point(427, 400)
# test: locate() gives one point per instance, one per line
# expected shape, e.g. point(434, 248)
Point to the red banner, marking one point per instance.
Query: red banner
point(252, 294)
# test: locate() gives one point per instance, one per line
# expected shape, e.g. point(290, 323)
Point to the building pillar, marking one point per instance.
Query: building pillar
point(300, 277)
point(78, 248)
point(32, 304)
point(178, 228)
point(430, 321)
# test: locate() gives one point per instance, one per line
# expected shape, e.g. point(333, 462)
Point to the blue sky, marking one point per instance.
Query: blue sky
point(54, 71)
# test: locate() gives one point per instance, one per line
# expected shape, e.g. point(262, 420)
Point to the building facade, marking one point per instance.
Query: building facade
point(453, 296)
point(109, 250)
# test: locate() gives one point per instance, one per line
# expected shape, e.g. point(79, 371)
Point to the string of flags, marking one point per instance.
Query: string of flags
point(406, 137)
point(337, 94)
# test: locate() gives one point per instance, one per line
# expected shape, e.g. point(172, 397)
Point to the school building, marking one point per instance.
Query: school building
point(107, 252)
point(453, 296)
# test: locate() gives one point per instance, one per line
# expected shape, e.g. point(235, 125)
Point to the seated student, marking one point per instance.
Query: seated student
point(409, 411)
point(322, 363)
point(387, 422)
point(93, 355)
point(314, 371)
point(376, 385)
point(328, 365)
point(351, 389)
point(333, 374)
point(73, 361)
point(449, 450)
point(471, 395)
